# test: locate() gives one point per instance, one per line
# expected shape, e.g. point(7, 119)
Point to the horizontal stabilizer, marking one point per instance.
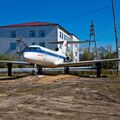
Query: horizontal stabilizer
point(70, 42)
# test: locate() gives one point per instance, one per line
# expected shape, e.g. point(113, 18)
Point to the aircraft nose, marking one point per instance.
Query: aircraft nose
point(27, 56)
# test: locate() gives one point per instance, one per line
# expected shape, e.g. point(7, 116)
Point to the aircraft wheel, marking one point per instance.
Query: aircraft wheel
point(39, 70)
point(66, 70)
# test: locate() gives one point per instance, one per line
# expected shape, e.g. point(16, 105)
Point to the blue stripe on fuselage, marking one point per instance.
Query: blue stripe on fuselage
point(46, 52)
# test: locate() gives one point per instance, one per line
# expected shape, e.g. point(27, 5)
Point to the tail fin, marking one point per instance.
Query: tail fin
point(64, 46)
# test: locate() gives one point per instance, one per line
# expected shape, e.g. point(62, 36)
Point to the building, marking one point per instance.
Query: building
point(39, 33)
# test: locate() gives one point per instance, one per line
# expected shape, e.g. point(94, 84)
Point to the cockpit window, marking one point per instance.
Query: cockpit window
point(34, 48)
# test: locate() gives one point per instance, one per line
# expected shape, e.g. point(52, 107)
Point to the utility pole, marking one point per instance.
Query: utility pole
point(93, 39)
point(116, 35)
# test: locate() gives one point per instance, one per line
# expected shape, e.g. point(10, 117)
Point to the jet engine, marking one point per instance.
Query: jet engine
point(56, 49)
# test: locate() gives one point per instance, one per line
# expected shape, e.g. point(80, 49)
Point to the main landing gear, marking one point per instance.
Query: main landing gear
point(37, 70)
point(66, 70)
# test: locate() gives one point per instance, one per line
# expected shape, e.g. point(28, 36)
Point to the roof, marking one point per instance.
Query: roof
point(29, 24)
point(71, 34)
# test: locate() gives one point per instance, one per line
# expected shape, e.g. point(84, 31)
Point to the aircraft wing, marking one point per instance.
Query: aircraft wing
point(65, 64)
point(81, 63)
point(71, 42)
point(15, 62)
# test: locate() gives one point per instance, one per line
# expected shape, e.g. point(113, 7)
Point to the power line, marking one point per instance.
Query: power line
point(84, 14)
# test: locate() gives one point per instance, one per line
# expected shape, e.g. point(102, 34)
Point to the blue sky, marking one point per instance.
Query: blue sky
point(71, 14)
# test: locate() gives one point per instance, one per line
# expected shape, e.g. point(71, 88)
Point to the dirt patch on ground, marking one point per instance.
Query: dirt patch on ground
point(51, 79)
point(62, 97)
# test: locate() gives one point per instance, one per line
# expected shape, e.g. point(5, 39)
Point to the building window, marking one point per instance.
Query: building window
point(31, 33)
point(41, 33)
point(66, 37)
point(12, 46)
point(60, 35)
point(42, 44)
point(13, 34)
point(33, 43)
point(75, 53)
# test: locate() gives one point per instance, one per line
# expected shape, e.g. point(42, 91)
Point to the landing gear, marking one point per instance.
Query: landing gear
point(66, 70)
point(39, 70)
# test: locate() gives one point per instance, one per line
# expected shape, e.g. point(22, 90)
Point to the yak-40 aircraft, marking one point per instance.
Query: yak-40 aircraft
point(44, 57)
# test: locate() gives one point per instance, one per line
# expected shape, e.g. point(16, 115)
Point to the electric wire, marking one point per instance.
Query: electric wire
point(85, 14)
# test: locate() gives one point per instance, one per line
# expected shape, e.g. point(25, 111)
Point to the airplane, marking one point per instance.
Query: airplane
point(46, 58)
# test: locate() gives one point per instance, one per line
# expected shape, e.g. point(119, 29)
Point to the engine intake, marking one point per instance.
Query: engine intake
point(56, 49)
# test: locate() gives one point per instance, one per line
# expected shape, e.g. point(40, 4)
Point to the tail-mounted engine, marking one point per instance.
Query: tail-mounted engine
point(56, 49)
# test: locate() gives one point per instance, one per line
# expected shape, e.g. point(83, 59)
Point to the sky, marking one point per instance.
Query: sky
point(74, 15)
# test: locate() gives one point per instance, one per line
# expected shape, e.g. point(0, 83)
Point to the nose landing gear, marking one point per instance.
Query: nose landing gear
point(37, 70)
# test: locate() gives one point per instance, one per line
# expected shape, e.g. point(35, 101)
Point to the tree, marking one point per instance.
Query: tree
point(110, 64)
point(7, 57)
point(86, 55)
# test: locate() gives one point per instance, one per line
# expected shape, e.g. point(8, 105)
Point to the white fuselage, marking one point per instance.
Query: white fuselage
point(42, 56)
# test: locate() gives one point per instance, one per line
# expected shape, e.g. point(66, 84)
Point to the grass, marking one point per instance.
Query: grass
point(104, 73)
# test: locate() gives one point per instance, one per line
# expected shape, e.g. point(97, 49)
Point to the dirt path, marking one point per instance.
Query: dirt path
point(62, 97)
